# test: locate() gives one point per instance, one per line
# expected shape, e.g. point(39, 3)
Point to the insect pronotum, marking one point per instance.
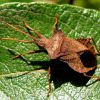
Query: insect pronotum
point(58, 46)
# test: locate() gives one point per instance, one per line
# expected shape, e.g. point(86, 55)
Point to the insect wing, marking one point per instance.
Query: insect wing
point(74, 61)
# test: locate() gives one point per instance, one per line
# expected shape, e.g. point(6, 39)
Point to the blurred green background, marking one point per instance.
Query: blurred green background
point(92, 4)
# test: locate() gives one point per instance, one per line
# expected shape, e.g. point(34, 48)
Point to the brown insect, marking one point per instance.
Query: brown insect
point(79, 54)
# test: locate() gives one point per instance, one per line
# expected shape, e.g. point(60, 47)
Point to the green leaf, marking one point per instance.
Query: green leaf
point(75, 23)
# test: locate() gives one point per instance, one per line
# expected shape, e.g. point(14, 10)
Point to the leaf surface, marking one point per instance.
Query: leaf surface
point(75, 23)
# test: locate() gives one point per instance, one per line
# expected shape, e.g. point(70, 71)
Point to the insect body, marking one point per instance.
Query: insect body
point(79, 54)
point(69, 51)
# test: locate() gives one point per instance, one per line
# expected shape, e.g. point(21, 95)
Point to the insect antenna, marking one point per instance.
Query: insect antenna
point(29, 29)
point(19, 30)
point(17, 40)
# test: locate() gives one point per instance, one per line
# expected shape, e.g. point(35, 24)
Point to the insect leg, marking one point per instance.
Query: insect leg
point(91, 39)
point(55, 25)
point(97, 77)
point(87, 41)
point(30, 52)
point(49, 81)
point(30, 29)
point(98, 52)
point(84, 41)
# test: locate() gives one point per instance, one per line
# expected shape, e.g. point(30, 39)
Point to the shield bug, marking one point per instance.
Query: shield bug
point(79, 54)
